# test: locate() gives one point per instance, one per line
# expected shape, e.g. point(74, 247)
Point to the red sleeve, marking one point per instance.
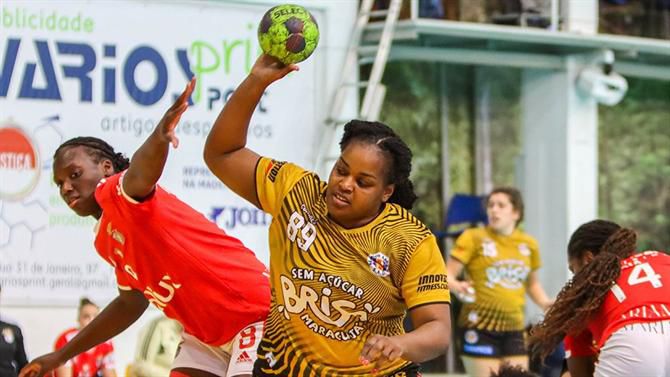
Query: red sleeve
point(60, 342)
point(108, 355)
point(579, 345)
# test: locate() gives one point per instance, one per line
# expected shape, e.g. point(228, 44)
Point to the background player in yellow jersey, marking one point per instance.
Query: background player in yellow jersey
point(346, 257)
point(501, 265)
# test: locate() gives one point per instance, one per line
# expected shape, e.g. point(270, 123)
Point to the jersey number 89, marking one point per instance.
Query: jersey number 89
point(297, 224)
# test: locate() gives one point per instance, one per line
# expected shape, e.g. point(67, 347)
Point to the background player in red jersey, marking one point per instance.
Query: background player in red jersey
point(615, 309)
point(163, 252)
point(97, 361)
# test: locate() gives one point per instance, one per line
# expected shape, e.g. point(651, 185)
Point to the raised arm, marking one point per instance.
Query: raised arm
point(148, 161)
point(225, 152)
point(122, 312)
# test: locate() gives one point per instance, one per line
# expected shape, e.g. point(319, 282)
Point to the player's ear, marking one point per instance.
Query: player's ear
point(108, 168)
point(587, 257)
point(388, 192)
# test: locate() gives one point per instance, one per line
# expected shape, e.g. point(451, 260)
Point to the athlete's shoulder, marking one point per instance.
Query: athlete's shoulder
point(287, 175)
point(65, 337)
point(526, 238)
point(477, 233)
point(306, 184)
point(303, 175)
point(273, 170)
point(108, 186)
point(649, 256)
point(403, 221)
point(69, 332)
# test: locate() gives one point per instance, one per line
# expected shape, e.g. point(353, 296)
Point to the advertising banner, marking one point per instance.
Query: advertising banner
point(110, 69)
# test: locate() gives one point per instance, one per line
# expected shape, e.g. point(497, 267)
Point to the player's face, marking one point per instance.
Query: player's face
point(86, 314)
point(77, 174)
point(501, 213)
point(357, 187)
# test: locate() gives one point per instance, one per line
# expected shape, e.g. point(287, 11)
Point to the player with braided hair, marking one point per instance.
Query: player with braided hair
point(347, 258)
point(614, 310)
point(163, 252)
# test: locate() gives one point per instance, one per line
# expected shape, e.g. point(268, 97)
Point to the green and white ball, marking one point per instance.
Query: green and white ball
point(289, 33)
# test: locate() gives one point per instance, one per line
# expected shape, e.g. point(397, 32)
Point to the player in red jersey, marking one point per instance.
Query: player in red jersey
point(616, 308)
point(97, 361)
point(163, 252)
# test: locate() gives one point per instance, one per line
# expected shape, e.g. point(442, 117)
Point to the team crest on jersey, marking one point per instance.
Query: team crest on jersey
point(524, 249)
point(8, 334)
point(489, 248)
point(471, 336)
point(379, 264)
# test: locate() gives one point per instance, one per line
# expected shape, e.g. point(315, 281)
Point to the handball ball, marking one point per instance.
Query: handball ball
point(289, 33)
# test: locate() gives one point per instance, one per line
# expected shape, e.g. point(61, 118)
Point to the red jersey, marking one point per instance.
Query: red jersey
point(89, 363)
point(641, 294)
point(182, 262)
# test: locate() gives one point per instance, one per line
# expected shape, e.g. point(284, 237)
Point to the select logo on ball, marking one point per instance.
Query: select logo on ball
point(289, 33)
point(19, 163)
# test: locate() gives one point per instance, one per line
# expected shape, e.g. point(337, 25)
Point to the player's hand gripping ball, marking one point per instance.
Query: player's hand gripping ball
point(289, 33)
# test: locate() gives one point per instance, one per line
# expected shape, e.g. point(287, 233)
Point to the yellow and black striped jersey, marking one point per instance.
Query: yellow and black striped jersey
point(333, 287)
point(498, 266)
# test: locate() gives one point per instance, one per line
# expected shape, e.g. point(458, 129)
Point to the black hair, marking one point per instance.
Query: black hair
point(508, 370)
point(399, 153)
point(591, 236)
point(98, 149)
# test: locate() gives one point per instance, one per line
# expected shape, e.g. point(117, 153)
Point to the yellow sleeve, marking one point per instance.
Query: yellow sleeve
point(464, 248)
point(425, 279)
point(535, 259)
point(274, 179)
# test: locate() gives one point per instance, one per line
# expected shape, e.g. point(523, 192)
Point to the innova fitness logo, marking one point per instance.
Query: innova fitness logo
point(19, 163)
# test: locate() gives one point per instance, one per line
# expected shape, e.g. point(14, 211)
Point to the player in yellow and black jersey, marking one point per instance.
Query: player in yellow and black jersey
point(501, 264)
point(347, 259)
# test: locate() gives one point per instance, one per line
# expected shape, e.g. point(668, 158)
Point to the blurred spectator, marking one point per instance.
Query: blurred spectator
point(533, 13)
point(474, 11)
point(96, 362)
point(12, 354)
point(431, 9)
point(647, 18)
point(427, 8)
point(156, 348)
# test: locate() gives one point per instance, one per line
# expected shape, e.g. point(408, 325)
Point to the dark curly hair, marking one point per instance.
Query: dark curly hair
point(398, 153)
